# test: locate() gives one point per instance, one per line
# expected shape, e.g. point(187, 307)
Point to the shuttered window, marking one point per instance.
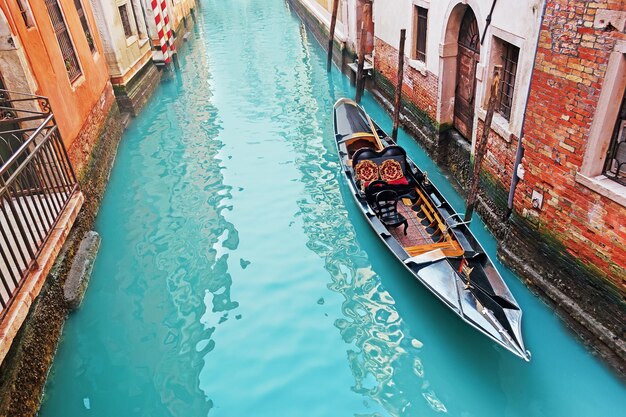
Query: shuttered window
point(65, 42)
point(85, 25)
point(421, 20)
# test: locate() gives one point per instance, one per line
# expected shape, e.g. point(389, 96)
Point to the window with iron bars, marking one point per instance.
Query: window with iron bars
point(510, 55)
point(128, 31)
point(26, 13)
point(63, 37)
point(615, 165)
point(421, 22)
point(85, 25)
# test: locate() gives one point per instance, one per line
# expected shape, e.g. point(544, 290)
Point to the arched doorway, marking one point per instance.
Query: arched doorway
point(467, 59)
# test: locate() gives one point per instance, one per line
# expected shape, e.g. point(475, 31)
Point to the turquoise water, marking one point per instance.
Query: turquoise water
point(237, 278)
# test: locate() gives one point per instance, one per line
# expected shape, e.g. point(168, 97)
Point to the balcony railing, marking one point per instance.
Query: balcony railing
point(36, 183)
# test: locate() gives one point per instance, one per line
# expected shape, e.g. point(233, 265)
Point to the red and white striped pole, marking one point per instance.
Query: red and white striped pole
point(168, 30)
point(160, 26)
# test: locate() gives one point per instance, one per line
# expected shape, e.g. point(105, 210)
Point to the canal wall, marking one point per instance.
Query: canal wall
point(589, 303)
point(24, 371)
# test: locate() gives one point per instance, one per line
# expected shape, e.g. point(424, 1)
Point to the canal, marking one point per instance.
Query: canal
point(237, 278)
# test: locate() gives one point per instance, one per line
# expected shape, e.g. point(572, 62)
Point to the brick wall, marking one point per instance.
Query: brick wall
point(420, 89)
point(568, 77)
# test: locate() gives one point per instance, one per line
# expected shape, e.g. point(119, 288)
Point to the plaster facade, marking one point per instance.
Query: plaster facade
point(44, 71)
point(444, 20)
point(125, 53)
point(179, 12)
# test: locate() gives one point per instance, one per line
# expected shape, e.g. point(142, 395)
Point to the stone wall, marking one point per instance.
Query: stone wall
point(83, 144)
point(132, 96)
point(24, 371)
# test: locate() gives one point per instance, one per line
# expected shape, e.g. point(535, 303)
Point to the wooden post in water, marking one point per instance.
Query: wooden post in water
point(481, 144)
point(396, 109)
point(360, 79)
point(359, 68)
point(331, 39)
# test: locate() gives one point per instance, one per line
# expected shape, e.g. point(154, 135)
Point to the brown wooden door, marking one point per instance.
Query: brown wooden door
point(467, 59)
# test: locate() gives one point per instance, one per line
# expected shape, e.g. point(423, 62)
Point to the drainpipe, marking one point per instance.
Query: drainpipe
point(520, 148)
point(493, 6)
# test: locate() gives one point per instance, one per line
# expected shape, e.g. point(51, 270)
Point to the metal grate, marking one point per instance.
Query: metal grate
point(615, 165)
point(125, 21)
point(422, 26)
point(36, 184)
point(65, 42)
point(83, 22)
point(507, 85)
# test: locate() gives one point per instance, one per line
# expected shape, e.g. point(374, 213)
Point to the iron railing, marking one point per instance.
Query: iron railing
point(36, 183)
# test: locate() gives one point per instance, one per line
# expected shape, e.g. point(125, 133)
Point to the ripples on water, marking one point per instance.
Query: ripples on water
point(236, 277)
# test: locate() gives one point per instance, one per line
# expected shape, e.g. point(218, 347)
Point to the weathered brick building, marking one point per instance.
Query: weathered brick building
point(573, 120)
point(562, 87)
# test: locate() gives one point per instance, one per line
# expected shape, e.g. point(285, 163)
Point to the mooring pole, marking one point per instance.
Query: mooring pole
point(481, 144)
point(331, 39)
point(396, 109)
point(359, 68)
point(360, 79)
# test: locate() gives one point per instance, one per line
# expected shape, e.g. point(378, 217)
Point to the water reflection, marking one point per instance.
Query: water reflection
point(369, 320)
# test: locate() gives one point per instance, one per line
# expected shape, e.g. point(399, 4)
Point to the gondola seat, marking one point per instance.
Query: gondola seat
point(395, 172)
point(387, 210)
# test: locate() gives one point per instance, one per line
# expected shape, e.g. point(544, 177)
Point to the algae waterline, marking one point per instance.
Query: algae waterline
point(236, 278)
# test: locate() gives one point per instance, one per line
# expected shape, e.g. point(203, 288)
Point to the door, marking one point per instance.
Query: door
point(467, 59)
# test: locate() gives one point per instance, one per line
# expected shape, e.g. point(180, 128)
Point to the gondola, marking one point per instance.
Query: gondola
point(422, 230)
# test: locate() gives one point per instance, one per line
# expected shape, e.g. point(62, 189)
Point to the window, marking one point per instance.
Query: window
point(83, 22)
point(421, 26)
point(128, 31)
point(26, 13)
point(510, 55)
point(506, 55)
point(615, 164)
point(600, 170)
point(63, 37)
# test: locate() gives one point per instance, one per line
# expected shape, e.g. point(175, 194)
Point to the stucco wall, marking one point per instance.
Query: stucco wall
point(516, 22)
point(71, 101)
point(122, 53)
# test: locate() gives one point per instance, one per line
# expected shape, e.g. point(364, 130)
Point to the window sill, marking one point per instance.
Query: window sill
point(419, 66)
point(130, 40)
point(605, 187)
point(498, 124)
point(80, 80)
point(143, 41)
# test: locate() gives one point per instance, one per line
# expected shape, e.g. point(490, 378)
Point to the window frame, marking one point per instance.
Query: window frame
point(509, 59)
point(70, 48)
point(82, 16)
point(126, 25)
point(590, 173)
point(420, 20)
point(26, 12)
